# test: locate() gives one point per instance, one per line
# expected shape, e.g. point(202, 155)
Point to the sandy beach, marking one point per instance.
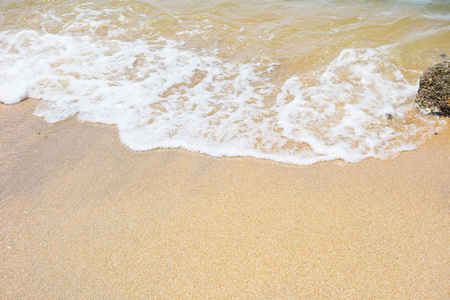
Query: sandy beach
point(84, 217)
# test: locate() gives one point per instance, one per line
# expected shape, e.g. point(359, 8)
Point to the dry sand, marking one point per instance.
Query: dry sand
point(82, 216)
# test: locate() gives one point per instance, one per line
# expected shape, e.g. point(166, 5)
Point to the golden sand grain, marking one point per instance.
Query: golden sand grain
point(82, 216)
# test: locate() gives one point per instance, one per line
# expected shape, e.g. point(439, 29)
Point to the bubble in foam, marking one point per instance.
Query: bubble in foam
point(161, 96)
point(13, 96)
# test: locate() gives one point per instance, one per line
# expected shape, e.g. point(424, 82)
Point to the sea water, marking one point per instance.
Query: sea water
point(294, 81)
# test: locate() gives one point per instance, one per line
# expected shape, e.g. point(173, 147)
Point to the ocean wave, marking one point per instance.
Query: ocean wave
point(162, 96)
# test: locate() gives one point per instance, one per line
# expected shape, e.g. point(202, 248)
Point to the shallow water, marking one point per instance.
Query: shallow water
point(292, 81)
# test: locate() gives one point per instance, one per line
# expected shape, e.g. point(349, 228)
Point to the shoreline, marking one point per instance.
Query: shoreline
point(85, 217)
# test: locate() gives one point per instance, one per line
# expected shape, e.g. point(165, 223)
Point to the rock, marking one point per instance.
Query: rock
point(434, 90)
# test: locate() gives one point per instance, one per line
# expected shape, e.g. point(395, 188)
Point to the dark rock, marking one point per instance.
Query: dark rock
point(434, 90)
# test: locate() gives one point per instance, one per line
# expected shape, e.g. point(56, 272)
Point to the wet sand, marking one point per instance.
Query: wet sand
point(82, 216)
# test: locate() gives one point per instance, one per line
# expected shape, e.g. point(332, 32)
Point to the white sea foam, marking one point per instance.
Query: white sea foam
point(161, 96)
point(348, 107)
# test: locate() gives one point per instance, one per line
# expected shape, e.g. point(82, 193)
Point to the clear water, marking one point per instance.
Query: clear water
point(292, 81)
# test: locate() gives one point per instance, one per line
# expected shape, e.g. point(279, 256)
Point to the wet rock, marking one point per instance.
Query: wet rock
point(434, 90)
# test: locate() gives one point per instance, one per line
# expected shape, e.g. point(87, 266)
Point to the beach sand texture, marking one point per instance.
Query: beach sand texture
point(82, 216)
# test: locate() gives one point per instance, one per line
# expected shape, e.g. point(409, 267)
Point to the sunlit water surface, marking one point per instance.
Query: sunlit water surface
point(291, 81)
